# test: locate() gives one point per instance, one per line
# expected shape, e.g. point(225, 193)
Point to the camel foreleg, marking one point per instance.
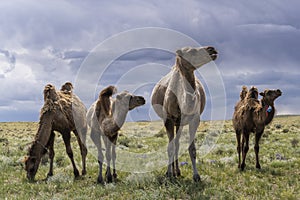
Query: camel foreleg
point(177, 137)
point(169, 125)
point(256, 147)
point(192, 148)
point(51, 153)
point(108, 150)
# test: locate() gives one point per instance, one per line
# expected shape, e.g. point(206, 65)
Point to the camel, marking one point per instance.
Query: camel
point(64, 112)
point(179, 99)
point(252, 115)
point(106, 116)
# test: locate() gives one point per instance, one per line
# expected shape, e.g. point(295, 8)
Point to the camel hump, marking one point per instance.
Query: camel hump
point(244, 92)
point(108, 91)
point(50, 93)
point(103, 104)
point(67, 87)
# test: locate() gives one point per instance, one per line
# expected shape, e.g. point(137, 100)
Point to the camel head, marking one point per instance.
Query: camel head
point(50, 93)
point(252, 93)
point(32, 162)
point(269, 96)
point(129, 100)
point(197, 56)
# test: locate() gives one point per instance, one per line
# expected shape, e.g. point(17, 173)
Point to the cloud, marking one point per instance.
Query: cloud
point(7, 62)
point(44, 42)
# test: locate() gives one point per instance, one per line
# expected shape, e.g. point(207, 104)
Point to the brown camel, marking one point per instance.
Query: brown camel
point(252, 115)
point(106, 116)
point(179, 99)
point(64, 112)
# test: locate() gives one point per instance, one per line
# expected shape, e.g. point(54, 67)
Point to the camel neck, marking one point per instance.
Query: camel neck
point(119, 114)
point(187, 71)
point(43, 134)
point(268, 112)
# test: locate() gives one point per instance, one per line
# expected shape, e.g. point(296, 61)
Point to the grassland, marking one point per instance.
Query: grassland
point(279, 177)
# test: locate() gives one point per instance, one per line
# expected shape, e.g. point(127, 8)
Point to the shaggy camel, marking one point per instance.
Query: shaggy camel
point(106, 116)
point(252, 115)
point(179, 99)
point(64, 112)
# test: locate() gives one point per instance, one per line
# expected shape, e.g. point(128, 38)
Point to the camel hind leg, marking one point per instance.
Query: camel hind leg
point(114, 155)
point(81, 139)
point(239, 149)
point(245, 148)
point(169, 125)
point(66, 137)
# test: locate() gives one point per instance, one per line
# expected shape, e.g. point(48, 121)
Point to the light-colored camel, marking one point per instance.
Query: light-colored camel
point(64, 112)
point(179, 99)
point(252, 115)
point(106, 116)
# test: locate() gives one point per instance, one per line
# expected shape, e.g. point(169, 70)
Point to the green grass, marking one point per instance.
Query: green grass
point(140, 142)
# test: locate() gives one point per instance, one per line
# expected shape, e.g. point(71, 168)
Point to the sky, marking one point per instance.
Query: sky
point(54, 41)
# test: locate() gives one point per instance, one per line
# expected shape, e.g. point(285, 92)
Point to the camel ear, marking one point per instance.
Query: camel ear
point(262, 94)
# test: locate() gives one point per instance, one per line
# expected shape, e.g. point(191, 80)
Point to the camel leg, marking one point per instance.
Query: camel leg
point(81, 139)
point(193, 125)
point(245, 147)
point(170, 131)
point(51, 153)
point(256, 147)
point(114, 156)
point(177, 137)
point(108, 150)
point(66, 138)
point(238, 140)
point(95, 136)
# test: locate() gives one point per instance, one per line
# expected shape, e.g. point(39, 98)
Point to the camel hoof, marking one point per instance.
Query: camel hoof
point(83, 172)
point(115, 176)
point(100, 180)
point(169, 174)
point(76, 173)
point(243, 167)
point(49, 174)
point(258, 166)
point(109, 178)
point(196, 178)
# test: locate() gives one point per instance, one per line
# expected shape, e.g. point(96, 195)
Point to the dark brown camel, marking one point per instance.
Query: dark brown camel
point(106, 116)
point(252, 115)
point(179, 99)
point(64, 112)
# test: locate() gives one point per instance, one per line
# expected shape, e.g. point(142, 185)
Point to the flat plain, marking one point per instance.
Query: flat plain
point(141, 164)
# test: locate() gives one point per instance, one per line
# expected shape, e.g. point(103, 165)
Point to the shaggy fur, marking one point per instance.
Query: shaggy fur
point(179, 99)
point(252, 115)
point(64, 112)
